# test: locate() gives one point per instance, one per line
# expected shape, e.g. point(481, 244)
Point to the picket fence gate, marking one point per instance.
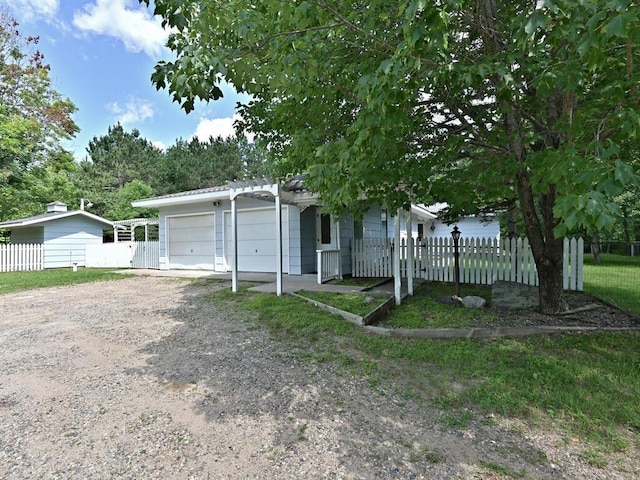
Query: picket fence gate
point(21, 257)
point(482, 260)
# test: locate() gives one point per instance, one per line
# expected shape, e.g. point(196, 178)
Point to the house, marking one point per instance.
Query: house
point(64, 234)
point(427, 225)
point(196, 228)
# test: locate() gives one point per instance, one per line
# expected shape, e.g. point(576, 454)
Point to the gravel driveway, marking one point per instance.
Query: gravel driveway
point(139, 378)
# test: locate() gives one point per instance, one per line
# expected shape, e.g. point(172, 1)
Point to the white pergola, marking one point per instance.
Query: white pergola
point(131, 224)
point(264, 189)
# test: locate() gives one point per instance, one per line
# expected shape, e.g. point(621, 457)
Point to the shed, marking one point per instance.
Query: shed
point(64, 234)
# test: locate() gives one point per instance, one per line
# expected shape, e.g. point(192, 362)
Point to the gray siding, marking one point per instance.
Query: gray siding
point(372, 223)
point(295, 245)
point(65, 240)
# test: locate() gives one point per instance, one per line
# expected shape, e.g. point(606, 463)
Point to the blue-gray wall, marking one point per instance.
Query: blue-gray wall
point(65, 240)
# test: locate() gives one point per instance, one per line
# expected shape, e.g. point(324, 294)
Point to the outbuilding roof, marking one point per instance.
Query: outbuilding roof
point(37, 220)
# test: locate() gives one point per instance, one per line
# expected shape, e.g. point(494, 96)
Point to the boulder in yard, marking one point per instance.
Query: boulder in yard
point(472, 301)
point(513, 295)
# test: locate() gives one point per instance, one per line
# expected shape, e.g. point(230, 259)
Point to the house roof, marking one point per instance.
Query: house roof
point(295, 186)
point(422, 212)
point(37, 220)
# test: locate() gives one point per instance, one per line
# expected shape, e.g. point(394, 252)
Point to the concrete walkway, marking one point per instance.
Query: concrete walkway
point(290, 283)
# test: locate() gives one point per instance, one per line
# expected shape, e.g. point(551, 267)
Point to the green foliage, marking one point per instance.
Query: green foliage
point(479, 104)
point(124, 166)
point(34, 118)
point(424, 96)
point(197, 164)
point(120, 207)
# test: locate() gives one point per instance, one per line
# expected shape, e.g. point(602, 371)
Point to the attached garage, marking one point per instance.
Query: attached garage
point(257, 245)
point(191, 242)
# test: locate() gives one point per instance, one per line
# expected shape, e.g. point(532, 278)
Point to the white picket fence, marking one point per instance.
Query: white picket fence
point(482, 260)
point(21, 257)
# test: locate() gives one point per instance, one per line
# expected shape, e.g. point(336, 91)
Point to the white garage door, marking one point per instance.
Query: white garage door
point(192, 242)
point(257, 240)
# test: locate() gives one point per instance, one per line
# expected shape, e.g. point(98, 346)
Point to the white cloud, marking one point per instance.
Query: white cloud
point(135, 110)
point(159, 145)
point(218, 127)
point(134, 27)
point(28, 9)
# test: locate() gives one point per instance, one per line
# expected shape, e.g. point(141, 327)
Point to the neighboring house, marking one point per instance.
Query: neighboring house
point(426, 224)
point(64, 234)
point(196, 228)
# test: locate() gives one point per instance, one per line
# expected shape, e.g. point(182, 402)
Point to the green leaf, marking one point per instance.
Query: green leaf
point(535, 21)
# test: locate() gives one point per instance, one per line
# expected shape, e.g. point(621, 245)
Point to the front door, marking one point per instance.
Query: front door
point(325, 232)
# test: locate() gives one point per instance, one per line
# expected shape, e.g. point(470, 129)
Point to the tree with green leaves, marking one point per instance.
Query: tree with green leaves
point(193, 164)
point(482, 104)
point(116, 159)
point(34, 119)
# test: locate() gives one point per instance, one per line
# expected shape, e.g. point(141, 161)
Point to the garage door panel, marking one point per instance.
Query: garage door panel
point(192, 235)
point(257, 240)
point(191, 248)
point(192, 221)
point(192, 242)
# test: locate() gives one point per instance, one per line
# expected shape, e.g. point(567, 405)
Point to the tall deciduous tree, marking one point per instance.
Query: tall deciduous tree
point(34, 118)
point(479, 103)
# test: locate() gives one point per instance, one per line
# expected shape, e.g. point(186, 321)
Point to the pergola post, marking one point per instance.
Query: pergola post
point(278, 242)
point(234, 252)
point(397, 281)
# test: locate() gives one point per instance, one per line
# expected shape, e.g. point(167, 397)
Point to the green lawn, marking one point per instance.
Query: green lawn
point(586, 385)
point(616, 279)
point(16, 281)
point(357, 303)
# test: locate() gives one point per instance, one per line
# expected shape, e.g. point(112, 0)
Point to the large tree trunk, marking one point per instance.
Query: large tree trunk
point(546, 249)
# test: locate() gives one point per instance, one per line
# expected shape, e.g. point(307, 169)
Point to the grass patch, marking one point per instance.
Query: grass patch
point(356, 303)
point(587, 385)
point(616, 279)
point(423, 311)
point(19, 281)
point(365, 282)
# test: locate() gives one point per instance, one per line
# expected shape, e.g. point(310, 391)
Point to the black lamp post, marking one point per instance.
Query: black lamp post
point(455, 234)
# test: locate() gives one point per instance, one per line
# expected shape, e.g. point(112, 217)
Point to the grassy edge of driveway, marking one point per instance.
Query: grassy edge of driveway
point(18, 281)
point(584, 386)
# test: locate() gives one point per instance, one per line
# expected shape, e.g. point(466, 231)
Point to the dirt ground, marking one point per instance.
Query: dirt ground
point(140, 378)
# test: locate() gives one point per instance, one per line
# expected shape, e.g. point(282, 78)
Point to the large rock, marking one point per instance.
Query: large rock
point(471, 301)
point(514, 295)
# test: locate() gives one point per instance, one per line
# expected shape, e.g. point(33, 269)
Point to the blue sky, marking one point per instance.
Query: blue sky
point(102, 54)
